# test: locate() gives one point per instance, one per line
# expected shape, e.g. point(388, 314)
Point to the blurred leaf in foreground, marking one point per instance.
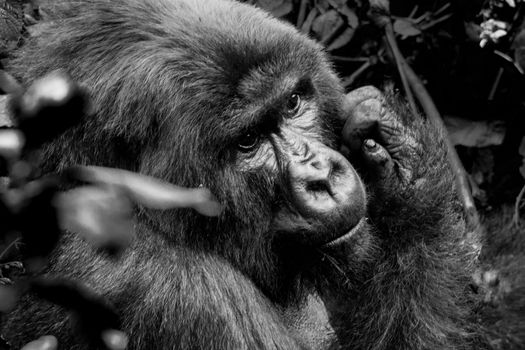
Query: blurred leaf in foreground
point(93, 314)
point(47, 342)
point(151, 192)
point(102, 215)
point(50, 106)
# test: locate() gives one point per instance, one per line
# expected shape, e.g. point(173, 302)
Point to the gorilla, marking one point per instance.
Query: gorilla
point(313, 250)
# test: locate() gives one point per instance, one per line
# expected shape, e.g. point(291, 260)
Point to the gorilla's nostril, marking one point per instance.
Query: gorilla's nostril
point(318, 186)
point(337, 168)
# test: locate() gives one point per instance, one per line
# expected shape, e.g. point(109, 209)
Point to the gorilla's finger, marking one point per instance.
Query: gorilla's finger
point(47, 342)
point(355, 97)
point(379, 163)
point(390, 130)
point(362, 123)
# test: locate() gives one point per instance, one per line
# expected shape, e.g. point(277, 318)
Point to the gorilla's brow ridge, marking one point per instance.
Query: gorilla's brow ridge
point(264, 113)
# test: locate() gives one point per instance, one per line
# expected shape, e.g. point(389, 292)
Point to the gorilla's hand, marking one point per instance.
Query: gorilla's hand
point(402, 157)
point(377, 135)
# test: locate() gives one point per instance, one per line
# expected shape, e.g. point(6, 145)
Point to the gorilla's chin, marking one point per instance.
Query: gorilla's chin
point(348, 236)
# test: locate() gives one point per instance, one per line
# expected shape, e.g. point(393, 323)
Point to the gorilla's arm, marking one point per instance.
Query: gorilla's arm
point(192, 300)
point(414, 297)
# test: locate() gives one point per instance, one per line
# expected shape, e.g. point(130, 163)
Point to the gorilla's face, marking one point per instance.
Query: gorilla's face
point(287, 134)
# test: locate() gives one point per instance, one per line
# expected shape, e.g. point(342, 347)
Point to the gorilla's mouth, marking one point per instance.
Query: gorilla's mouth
point(346, 237)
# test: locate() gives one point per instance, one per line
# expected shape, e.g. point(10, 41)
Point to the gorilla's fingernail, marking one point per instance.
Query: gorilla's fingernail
point(357, 96)
point(372, 107)
point(370, 144)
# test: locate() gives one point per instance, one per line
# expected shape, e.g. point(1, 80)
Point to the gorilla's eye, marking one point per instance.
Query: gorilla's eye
point(293, 103)
point(248, 142)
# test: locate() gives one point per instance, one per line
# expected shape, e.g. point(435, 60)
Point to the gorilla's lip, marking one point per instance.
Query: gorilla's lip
point(346, 237)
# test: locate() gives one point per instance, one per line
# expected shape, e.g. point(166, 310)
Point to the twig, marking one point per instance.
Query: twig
point(413, 12)
point(434, 22)
point(442, 8)
point(305, 28)
point(8, 248)
point(421, 18)
point(332, 35)
point(517, 205)
point(495, 85)
point(392, 43)
point(350, 80)
point(302, 13)
point(349, 59)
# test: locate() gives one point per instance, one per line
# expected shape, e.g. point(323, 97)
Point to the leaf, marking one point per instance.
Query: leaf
point(405, 28)
point(342, 39)
point(324, 25)
point(100, 214)
point(48, 107)
point(351, 17)
point(307, 25)
point(475, 133)
point(282, 10)
point(150, 192)
point(278, 8)
point(347, 12)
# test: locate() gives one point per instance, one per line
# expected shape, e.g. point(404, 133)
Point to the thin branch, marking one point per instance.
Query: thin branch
point(443, 8)
point(495, 85)
point(349, 59)
point(413, 12)
point(350, 79)
point(14, 243)
point(434, 22)
point(517, 206)
point(392, 43)
point(302, 13)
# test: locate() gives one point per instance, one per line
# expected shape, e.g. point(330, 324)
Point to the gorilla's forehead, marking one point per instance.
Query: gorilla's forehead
point(234, 40)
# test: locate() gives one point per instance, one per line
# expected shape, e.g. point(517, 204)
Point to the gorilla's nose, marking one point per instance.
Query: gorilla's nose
point(324, 183)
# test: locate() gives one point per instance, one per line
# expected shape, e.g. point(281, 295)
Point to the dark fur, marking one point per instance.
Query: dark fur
point(163, 78)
